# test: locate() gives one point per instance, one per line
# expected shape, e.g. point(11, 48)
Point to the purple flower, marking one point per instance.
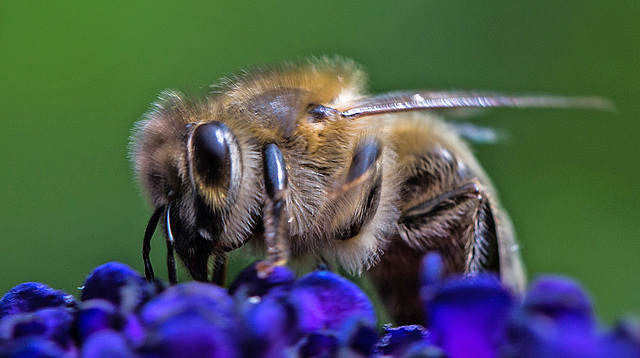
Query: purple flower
point(624, 340)
point(555, 319)
point(467, 316)
point(247, 282)
point(95, 315)
point(397, 340)
point(31, 296)
point(318, 315)
point(270, 325)
point(269, 322)
point(117, 283)
point(52, 324)
point(358, 338)
point(319, 345)
point(324, 300)
point(424, 350)
point(33, 347)
point(191, 320)
point(106, 343)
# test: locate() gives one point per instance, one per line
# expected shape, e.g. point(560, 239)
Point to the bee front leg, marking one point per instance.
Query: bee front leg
point(171, 261)
point(275, 224)
point(219, 269)
point(146, 243)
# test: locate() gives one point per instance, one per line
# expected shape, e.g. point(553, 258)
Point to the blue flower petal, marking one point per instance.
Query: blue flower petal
point(424, 350)
point(269, 326)
point(563, 300)
point(358, 339)
point(555, 319)
point(133, 330)
point(431, 270)
point(467, 316)
point(325, 300)
point(192, 319)
point(208, 299)
point(397, 340)
point(54, 324)
point(624, 340)
point(93, 316)
point(320, 345)
point(118, 283)
point(251, 285)
point(31, 296)
point(191, 334)
point(106, 343)
point(33, 347)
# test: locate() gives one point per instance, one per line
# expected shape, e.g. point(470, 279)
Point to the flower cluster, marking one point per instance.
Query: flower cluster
point(320, 314)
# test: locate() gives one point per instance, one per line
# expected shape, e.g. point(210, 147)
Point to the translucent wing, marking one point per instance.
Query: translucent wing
point(428, 100)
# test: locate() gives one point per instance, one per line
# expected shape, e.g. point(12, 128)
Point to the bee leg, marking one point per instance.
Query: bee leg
point(459, 224)
point(362, 166)
point(219, 269)
point(146, 243)
point(275, 226)
point(171, 261)
point(475, 233)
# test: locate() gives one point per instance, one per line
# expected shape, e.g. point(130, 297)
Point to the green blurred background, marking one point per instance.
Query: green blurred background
point(76, 76)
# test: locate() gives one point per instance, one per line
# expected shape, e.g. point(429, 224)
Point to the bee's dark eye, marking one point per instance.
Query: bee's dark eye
point(211, 153)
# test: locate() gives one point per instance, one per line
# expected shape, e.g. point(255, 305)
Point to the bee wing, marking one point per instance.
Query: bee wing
point(428, 100)
point(480, 134)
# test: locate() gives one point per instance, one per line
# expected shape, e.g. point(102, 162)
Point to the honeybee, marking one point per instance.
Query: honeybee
point(300, 161)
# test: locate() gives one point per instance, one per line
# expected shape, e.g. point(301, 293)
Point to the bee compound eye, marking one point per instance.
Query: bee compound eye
point(212, 154)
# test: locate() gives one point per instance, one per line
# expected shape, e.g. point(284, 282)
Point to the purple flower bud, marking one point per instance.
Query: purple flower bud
point(250, 284)
point(269, 325)
point(320, 345)
point(106, 343)
point(431, 269)
point(53, 324)
point(358, 338)
point(118, 283)
point(191, 320)
point(191, 334)
point(424, 350)
point(397, 340)
point(133, 330)
point(33, 346)
point(561, 299)
point(624, 340)
point(31, 296)
point(468, 315)
point(325, 300)
point(95, 315)
point(555, 319)
point(208, 299)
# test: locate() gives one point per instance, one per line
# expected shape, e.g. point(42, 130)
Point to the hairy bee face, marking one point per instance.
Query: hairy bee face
point(299, 161)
